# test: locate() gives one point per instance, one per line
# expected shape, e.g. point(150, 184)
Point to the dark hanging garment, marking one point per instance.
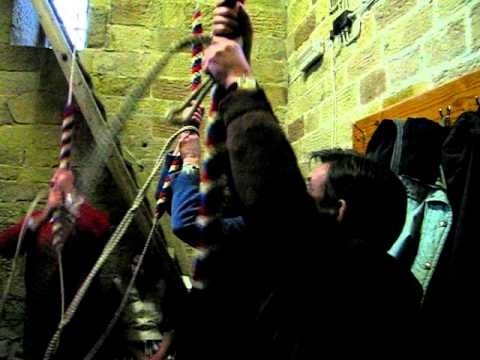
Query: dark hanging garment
point(452, 300)
point(412, 149)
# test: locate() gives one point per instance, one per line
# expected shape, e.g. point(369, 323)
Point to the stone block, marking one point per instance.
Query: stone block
point(368, 31)
point(365, 60)
point(408, 30)
point(281, 114)
point(316, 140)
point(118, 86)
point(475, 16)
point(164, 37)
point(343, 138)
point(296, 109)
point(447, 8)
point(297, 88)
point(276, 94)
point(137, 134)
point(456, 70)
point(446, 45)
point(176, 14)
point(157, 107)
point(342, 77)
point(128, 38)
point(10, 154)
point(131, 12)
point(112, 104)
point(35, 175)
point(168, 89)
point(5, 116)
point(104, 3)
point(315, 96)
point(322, 11)
point(87, 57)
point(290, 45)
point(404, 66)
point(320, 117)
point(296, 130)
point(10, 214)
point(269, 47)
point(271, 22)
point(268, 71)
point(370, 108)
point(5, 21)
point(97, 27)
point(13, 83)
point(402, 94)
point(372, 86)
point(52, 78)
point(179, 66)
point(347, 100)
point(119, 63)
point(389, 11)
point(20, 58)
point(297, 9)
point(161, 129)
point(37, 107)
point(15, 192)
point(304, 30)
point(27, 137)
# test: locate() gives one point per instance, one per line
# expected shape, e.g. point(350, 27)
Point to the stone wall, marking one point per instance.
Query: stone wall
point(32, 93)
point(405, 48)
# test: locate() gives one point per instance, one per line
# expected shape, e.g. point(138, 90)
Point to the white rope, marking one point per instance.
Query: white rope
point(125, 297)
point(21, 237)
point(70, 82)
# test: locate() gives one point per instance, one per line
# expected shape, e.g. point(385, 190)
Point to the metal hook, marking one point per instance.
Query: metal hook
point(449, 116)
point(445, 119)
point(363, 132)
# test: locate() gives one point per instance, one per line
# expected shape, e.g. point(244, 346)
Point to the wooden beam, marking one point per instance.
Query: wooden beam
point(459, 94)
point(98, 125)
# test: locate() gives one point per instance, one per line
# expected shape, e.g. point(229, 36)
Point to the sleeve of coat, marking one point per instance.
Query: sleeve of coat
point(264, 168)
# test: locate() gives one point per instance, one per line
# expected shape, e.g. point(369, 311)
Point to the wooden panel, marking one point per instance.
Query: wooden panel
point(459, 94)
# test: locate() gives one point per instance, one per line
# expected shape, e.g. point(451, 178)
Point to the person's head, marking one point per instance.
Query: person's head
point(62, 180)
point(367, 199)
point(61, 183)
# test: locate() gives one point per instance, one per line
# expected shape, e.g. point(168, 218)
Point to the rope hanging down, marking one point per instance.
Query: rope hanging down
point(21, 236)
point(61, 222)
point(124, 300)
point(213, 183)
point(165, 193)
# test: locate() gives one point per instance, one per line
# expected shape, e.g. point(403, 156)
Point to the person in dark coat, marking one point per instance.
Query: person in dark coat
point(298, 285)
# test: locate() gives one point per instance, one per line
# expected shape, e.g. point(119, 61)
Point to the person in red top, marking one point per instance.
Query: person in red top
point(86, 232)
